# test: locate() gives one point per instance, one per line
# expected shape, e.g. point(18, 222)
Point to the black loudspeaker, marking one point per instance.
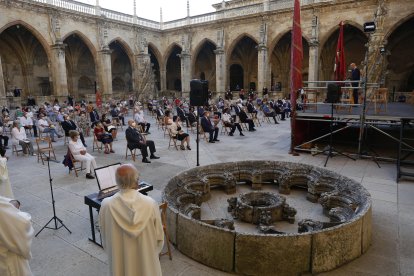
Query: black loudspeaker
point(198, 92)
point(334, 93)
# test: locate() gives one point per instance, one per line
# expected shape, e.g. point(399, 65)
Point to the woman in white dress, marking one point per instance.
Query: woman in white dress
point(18, 135)
point(5, 187)
point(79, 153)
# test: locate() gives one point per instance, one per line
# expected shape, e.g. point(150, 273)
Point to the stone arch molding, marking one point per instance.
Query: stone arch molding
point(278, 37)
point(331, 31)
point(198, 48)
point(157, 54)
point(42, 40)
point(125, 46)
point(168, 52)
point(236, 40)
point(396, 25)
point(86, 40)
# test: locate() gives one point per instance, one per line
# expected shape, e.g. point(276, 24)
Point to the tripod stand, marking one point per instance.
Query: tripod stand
point(333, 96)
point(55, 218)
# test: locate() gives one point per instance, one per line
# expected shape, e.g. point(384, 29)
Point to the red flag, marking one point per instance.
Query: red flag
point(340, 67)
point(296, 59)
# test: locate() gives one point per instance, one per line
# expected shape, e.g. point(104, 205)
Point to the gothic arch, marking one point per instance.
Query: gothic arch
point(168, 51)
point(35, 33)
point(400, 57)
point(280, 61)
point(81, 62)
point(121, 66)
point(157, 54)
point(335, 28)
point(125, 47)
point(200, 45)
point(86, 40)
point(398, 24)
point(276, 40)
point(204, 62)
point(354, 43)
point(155, 57)
point(235, 41)
point(26, 59)
point(173, 68)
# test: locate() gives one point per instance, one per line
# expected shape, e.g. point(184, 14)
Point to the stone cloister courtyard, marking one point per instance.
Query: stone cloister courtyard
point(60, 253)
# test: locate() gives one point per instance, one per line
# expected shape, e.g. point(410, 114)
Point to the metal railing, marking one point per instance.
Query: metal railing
point(233, 12)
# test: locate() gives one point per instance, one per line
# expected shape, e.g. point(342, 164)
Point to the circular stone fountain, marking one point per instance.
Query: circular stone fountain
point(231, 216)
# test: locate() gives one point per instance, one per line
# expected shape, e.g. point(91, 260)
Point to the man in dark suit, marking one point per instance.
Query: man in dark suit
point(135, 140)
point(209, 127)
point(355, 76)
point(245, 119)
point(181, 114)
point(69, 125)
point(94, 117)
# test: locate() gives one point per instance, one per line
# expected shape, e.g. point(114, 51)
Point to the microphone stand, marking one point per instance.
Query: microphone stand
point(54, 218)
point(198, 137)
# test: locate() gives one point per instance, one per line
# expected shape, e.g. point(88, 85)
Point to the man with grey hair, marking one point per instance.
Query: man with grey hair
point(131, 228)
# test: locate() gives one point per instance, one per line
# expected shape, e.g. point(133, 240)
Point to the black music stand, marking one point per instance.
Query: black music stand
point(55, 218)
point(333, 97)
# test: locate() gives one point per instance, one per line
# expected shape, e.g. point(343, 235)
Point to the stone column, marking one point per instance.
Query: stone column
point(163, 80)
point(105, 73)
point(144, 78)
point(262, 67)
point(313, 63)
point(58, 72)
point(185, 73)
point(3, 99)
point(220, 71)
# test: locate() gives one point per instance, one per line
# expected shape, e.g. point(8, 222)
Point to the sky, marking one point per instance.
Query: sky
point(150, 9)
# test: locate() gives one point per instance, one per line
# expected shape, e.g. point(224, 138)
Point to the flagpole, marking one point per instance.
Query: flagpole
point(295, 71)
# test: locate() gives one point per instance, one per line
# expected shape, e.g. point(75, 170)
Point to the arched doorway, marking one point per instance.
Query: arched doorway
point(236, 77)
point(354, 44)
point(174, 69)
point(400, 68)
point(155, 67)
point(121, 69)
point(80, 67)
point(205, 64)
point(24, 62)
point(280, 63)
point(244, 55)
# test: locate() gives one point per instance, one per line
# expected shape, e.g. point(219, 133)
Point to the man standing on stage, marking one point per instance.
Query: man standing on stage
point(131, 228)
point(355, 76)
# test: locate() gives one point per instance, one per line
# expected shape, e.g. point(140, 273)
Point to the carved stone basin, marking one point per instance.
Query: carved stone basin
point(262, 208)
point(333, 216)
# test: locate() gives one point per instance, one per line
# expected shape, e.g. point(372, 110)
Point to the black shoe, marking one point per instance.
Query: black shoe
point(231, 134)
point(85, 145)
point(89, 176)
point(216, 140)
point(154, 157)
point(6, 147)
point(211, 141)
point(241, 134)
point(276, 123)
point(188, 147)
point(147, 132)
point(145, 160)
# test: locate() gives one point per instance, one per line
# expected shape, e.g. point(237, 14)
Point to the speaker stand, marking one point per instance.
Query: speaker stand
point(331, 150)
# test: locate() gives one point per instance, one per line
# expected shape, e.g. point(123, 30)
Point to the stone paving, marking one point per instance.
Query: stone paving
point(60, 253)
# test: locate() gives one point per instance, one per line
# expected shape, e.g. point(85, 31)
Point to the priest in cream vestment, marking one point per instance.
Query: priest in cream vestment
point(16, 235)
point(131, 228)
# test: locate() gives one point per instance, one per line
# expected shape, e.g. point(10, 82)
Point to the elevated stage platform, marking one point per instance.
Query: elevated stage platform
point(380, 131)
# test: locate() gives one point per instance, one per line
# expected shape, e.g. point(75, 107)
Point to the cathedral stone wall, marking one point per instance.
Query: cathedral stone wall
point(248, 50)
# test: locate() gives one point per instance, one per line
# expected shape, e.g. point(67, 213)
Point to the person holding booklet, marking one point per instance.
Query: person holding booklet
point(18, 135)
